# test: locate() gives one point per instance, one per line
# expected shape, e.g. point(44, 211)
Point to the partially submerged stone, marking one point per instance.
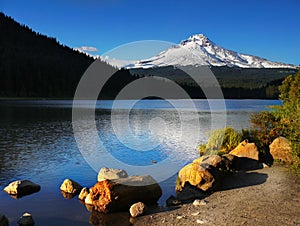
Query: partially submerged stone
point(71, 187)
point(21, 188)
point(137, 209)
point(3, 220)
point(83, 194)
point(26, 220)
point(88, 200)
point(111, 174)
point(172, 201)
point(120, 194)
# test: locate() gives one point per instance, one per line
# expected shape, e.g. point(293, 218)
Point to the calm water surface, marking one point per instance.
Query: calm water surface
point(37, 143)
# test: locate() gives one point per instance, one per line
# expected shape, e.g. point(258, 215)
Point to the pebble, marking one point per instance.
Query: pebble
point(195, 214)
point(201, 221)
point(199, 202)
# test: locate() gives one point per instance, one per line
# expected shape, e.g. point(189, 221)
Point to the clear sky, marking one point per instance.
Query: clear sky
point(265, 28)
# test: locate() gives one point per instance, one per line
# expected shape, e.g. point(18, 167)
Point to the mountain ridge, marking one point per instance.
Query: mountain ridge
point(199, 50)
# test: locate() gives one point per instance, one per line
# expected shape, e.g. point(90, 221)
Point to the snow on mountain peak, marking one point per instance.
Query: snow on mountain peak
point(199, 50)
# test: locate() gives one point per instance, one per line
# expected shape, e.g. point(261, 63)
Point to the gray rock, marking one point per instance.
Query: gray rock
point(26, 220)
point(111, 174)
point(71, 187)
point(3, 220)
point(137, 209)
point(21, 188)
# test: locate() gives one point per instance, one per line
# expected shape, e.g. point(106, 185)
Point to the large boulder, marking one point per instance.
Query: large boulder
point(246, 150)
point(111, 174)
point(70, 187)
point(281, 150)
point(120, 194)
point(21, 188)
point(202, 173)
point(3, 220)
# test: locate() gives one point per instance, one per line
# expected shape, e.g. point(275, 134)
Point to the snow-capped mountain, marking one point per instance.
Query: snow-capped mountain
point(198, 50)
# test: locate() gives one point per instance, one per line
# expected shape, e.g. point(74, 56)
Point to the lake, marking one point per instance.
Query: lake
point(37, 142)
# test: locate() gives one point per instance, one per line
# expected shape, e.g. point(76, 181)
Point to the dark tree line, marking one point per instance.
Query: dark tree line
point(34, 65)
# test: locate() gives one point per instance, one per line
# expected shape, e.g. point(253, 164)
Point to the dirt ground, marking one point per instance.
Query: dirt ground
point(268, 196)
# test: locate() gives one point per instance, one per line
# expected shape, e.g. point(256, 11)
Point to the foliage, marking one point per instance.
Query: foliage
point(221, 141)
point(283, 120)
point(266, 127)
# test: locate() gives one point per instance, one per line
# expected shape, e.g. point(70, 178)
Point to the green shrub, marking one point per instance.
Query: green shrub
point(221, 141)
point(282, 120)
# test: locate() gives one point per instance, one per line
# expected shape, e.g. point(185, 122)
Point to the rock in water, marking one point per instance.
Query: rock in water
point(120, 194)
point(137, 209)
point(111, 174)
point(246, 150)
point(70, 187)
point(172, 201)
point(21, 188)
point(3, 220)
point(26, 220)
point(88, 200)
point(281, 150)
point(83, 194)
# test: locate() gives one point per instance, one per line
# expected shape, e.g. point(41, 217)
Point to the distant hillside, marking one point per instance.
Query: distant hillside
point(34, 65)
point(235, 82)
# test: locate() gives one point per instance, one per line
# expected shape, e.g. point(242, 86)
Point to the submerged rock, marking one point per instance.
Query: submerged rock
point(26, 220)
point(71, 187)
point(137, 209)
point(3, 220)
point(111, 174)
point(21, 188)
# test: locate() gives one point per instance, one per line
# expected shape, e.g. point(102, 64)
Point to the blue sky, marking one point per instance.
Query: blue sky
point(266, 28)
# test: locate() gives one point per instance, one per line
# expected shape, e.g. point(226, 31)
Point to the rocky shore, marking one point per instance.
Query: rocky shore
point(268, 196)
point(238, 188)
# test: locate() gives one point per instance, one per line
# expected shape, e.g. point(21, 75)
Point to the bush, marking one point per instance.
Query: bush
point(221, 141)
point(283, 120)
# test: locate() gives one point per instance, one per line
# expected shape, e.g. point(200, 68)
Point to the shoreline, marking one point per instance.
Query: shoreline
point(268, 196)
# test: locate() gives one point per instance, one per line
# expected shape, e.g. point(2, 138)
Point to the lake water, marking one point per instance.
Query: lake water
point(37, 143)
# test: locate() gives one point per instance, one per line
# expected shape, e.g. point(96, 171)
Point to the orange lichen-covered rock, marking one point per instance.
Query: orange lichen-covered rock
point(246, 150)
point(281, 150)
point(120, 194)
point(202, 173)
